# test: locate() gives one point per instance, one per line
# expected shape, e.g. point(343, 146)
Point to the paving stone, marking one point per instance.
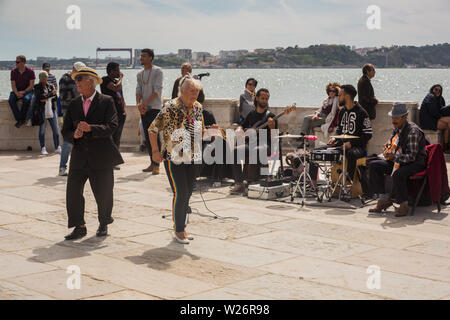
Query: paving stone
point(125, 274)
point(433, 247)
point(19, 206)
point(21, 242)
point(405, 262)
point(124, 295)
point(216, 249)
point(11, 291)
point(287, 288)
point(13, 265)
point(54, 284)
point(185, 264)
point(40, 229)
point(392, 285)
point(343, 232)
point(226, 293)
point(9, 218)
point(300, 244)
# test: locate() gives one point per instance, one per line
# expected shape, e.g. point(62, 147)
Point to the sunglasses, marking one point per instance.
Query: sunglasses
point(17, 62)
point(78, 78)
point(252, 84)
point(43, 77)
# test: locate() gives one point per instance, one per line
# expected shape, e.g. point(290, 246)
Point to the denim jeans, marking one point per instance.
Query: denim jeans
point(20, 115)
point(31, 108)
point(65, 152)
point(54, 124)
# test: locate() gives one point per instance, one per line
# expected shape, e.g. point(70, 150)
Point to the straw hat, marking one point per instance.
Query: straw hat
point(86, 71)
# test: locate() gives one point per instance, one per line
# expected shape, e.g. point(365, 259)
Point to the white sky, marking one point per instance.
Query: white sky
point(38, 28)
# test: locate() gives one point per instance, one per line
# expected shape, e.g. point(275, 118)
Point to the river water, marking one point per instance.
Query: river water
point(305, 87)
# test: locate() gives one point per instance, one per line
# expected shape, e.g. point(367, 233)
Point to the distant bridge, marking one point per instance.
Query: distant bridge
point(130, 50)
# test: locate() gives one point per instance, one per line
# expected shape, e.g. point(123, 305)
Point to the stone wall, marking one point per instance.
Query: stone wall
point(225, 112)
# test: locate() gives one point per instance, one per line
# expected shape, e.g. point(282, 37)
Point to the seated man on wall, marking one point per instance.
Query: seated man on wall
point(405, 155)
point(22, 84)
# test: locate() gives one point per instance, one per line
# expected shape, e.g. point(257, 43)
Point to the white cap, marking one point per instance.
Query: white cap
point(78, 65)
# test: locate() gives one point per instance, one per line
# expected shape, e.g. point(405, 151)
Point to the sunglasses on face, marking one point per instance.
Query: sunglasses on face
point(252, 84)
point(43, 77)
point(17, 62)
point(78, 78)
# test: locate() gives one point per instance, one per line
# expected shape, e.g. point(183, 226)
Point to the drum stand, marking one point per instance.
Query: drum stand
point(304, 176)
point(341, 183)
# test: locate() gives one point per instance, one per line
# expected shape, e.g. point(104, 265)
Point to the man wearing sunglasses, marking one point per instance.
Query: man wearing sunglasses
point(22, 83)
point(89, 124)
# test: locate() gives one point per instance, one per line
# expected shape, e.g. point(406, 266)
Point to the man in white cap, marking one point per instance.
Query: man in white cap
point(67, 92)
point(405, 155)
point(89, 124)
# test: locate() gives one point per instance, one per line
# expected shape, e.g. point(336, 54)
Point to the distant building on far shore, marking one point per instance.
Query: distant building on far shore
point(232, 54)
point(200, 56)
point(185, 54)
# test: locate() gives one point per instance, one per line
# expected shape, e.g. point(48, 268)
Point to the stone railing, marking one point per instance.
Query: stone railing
point(225, 112)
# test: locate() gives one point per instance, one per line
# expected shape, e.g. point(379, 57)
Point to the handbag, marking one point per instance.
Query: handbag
point(48, 109)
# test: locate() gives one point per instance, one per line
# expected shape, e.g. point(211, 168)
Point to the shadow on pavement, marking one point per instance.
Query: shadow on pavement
point(160, 258)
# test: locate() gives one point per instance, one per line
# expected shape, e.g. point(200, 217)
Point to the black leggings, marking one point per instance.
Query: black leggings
point(181, 178)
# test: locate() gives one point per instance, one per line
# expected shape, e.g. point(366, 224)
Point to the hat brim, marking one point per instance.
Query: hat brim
point(87, 73)
point(397, 116)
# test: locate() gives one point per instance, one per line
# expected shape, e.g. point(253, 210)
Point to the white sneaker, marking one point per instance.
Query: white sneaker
point(58, 150)
point(28, 124)
point(62, 172)
point(44, 151)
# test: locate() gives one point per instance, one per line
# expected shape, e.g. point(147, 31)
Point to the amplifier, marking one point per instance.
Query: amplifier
point(258, 191)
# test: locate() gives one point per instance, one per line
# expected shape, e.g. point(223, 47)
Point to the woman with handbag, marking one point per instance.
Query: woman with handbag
point(45, 103)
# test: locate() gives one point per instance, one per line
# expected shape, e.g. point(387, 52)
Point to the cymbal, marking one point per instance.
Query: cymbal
point(345, 136)
point(289, 136)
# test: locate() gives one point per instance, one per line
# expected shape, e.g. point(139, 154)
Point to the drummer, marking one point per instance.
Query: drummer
point(354, 121)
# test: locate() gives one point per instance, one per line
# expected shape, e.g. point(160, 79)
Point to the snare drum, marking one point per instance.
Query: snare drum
point(330, 155)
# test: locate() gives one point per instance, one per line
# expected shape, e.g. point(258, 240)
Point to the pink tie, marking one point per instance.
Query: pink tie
point(86, 105)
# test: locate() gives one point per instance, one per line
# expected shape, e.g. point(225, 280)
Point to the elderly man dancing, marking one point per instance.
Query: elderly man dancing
point(89, 123)
point(180, 126)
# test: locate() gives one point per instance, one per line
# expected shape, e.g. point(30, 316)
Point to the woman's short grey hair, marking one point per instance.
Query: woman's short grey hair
point(188, 80)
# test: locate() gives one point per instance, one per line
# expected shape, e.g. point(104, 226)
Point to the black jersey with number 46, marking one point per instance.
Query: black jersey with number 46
point(355, 122)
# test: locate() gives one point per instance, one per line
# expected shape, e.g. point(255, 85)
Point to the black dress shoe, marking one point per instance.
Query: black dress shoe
point(102, 231)
point(77, 233)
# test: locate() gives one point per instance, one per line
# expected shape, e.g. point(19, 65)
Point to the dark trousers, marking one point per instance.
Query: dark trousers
point(20, 115)
point(252, 170)
point(102, 184)
point(181, 178)
point(147, 120)
point(380, 168)
point(118, 132)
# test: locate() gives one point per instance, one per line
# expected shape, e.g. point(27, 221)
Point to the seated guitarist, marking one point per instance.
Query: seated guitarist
point(405, 155)
point(254, 119)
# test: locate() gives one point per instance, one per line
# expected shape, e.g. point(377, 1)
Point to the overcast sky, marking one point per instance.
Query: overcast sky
point(38, 28)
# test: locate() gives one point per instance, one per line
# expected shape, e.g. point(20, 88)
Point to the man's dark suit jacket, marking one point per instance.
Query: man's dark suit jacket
point(96, 149)
point(366, 96)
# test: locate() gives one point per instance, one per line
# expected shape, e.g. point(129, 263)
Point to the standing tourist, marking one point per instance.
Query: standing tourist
point(67, 92)
point(247, 99)
point(89, 124)
point(112, 86)
point(366, 95)
point(186, 69)
point(22, 83)
point(149, 98)
point(431, 117)
point(46, 104)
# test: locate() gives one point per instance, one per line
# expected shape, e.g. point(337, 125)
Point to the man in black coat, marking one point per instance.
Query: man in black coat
point(89, 123)
point(366, 95)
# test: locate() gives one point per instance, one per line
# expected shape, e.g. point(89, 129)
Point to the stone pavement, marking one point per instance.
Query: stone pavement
point(274, 251)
